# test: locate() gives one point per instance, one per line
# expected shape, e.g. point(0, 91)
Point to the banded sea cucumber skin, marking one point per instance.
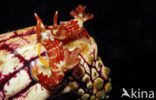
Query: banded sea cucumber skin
point(89, 80)
point(17, 51)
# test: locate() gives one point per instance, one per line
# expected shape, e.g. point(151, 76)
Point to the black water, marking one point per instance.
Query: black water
point(124, 31)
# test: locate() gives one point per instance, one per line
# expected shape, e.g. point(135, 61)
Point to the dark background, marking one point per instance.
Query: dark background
point(124, 31)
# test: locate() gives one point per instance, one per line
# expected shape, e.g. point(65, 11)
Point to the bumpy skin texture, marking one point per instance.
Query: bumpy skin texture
point(18, 50)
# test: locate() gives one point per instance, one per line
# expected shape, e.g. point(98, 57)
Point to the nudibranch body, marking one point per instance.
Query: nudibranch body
point(60, 58)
